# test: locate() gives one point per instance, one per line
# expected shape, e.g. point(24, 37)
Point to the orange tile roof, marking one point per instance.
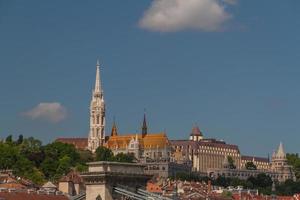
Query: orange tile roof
point(152, 187)
point(158, 140)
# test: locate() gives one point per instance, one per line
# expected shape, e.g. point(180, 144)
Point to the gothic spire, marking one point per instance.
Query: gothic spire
point(98, 88)
point(114, 130)
point(144, 127)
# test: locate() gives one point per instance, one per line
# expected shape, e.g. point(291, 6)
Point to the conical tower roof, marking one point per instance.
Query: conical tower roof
point(196, 131)
point(280, 151)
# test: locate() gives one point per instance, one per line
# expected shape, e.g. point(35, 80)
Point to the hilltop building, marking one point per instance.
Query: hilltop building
point(156, 152)
point(154, 146)
point(204, 153)
point(278, 169)
point(261, 163)
point(210, 156)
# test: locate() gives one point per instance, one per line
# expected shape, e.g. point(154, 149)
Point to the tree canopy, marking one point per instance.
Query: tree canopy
point(294, 161)
point(28, 158)
point(250, 166)
point(231, 162)
point(105, 154)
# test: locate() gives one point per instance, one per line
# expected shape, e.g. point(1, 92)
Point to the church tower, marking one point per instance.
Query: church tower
point(97, 115)
point(144, 126)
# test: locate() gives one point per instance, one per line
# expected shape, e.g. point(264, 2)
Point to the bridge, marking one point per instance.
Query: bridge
point(125, 193)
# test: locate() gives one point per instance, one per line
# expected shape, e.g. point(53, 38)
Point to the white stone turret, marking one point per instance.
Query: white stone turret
point(280, 165)
point(97, 115)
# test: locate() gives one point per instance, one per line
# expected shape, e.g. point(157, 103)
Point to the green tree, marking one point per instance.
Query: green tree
point(58, 150)
point(231, 162)
point(227, 194)
point(59, 159)
point(64, 166)
point(48, 167)
point(104, 154)
point(36, 176)
point(8, 156)
point(20, 139)
point(32, 149)
point(9, 139)
point(222, 181)
point(85, 156)
point(250, 166)
point(294, 161)
point(81, 167)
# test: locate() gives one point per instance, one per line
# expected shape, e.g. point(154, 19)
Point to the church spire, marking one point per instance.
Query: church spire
point(114, 130)
point(98, 89)
point(144, 127)
point(97, 115)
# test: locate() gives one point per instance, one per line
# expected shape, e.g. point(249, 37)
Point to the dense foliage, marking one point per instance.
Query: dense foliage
point(231, 164)
point(294, 161)
point(105, 154)
point(250, 166)
point(28, 158)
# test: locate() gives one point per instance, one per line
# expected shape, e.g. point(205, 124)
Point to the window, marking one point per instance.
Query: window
point(97, 119)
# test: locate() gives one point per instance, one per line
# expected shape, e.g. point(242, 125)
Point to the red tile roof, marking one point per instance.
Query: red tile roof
point(79, 143)
point(25, 196)
point(205, 142)
point(250, 158)
point(196, 131)
point(72, 177)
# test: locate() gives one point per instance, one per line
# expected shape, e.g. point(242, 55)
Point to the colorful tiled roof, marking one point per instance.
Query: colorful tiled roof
point(158, 140)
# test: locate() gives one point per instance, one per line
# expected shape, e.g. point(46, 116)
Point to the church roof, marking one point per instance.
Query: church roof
point(155, 140)
point(79, 143)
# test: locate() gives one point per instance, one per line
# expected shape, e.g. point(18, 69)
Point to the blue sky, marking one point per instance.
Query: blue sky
point(232, 67)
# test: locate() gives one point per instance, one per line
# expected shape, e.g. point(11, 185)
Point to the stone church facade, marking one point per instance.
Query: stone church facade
point(143, 145)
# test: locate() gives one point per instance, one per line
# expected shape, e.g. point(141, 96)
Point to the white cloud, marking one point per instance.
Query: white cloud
point(176, 15)
point(53, 112)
